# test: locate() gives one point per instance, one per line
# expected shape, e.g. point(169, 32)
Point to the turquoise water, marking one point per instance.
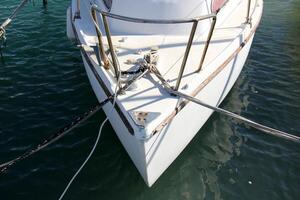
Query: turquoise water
point(43, 85)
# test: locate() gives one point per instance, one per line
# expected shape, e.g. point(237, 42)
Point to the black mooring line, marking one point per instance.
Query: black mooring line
point(56, 136)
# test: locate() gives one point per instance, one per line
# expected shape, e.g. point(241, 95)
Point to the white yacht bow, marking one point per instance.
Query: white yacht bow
point(197, 47)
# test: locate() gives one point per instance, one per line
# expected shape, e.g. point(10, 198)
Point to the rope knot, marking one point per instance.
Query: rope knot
point(2, 32)
point(2, 37)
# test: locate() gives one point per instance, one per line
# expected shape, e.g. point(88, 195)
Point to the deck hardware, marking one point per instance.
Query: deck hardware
point(151, 58)
point(154, 49)
point(186, 86)
point(131, 61)
point(139, 52)
point(195, 21)
point(123, 39)
point(141, 118)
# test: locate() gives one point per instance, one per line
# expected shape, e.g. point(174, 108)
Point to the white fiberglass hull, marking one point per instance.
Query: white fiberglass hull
point(154, 154)
point(167, 145)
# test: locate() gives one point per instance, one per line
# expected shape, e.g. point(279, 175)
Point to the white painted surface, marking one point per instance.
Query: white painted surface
point(156, 9)
point(154, 155)
point(70, 32)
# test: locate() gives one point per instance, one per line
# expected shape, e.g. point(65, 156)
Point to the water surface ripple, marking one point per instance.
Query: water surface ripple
point(43, 85)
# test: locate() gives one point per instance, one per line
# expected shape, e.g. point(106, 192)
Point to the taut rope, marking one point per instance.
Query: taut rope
point(251, 123)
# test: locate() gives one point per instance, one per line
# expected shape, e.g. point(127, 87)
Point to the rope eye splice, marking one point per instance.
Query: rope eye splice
point(2, 40)
point(9, 20)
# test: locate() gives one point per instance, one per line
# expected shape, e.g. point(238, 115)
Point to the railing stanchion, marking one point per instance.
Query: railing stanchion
point(248, 20)
point(115, 63)
point(111, 47)
point(186, 54)
point(212, 27)
point(102, 54)
point(77, 13)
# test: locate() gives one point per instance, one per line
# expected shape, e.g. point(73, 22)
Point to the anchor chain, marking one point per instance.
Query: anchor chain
point(56, 136)
point(66, 129)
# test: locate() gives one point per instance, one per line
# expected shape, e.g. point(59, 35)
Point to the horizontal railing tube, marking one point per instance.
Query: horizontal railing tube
point(194, 20)
point(153, 21)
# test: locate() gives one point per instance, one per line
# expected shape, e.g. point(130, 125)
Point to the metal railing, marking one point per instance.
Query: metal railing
point(195, 21)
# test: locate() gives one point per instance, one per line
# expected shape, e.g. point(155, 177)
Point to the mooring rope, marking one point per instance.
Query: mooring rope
point(85, 161)
point(251, 123)
point(92, 151)
point(11, 17)
point(116, 93)
point(6, 23)
point(66, 129)
point(2, 40)
point(56, 136)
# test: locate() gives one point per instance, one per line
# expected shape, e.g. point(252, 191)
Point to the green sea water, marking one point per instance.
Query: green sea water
point(43, 86)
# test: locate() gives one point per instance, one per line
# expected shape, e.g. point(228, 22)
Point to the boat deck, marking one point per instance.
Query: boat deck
point(149, 96)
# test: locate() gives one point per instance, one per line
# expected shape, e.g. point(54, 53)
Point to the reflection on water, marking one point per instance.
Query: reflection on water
point(194, 175)
point(216, 144)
